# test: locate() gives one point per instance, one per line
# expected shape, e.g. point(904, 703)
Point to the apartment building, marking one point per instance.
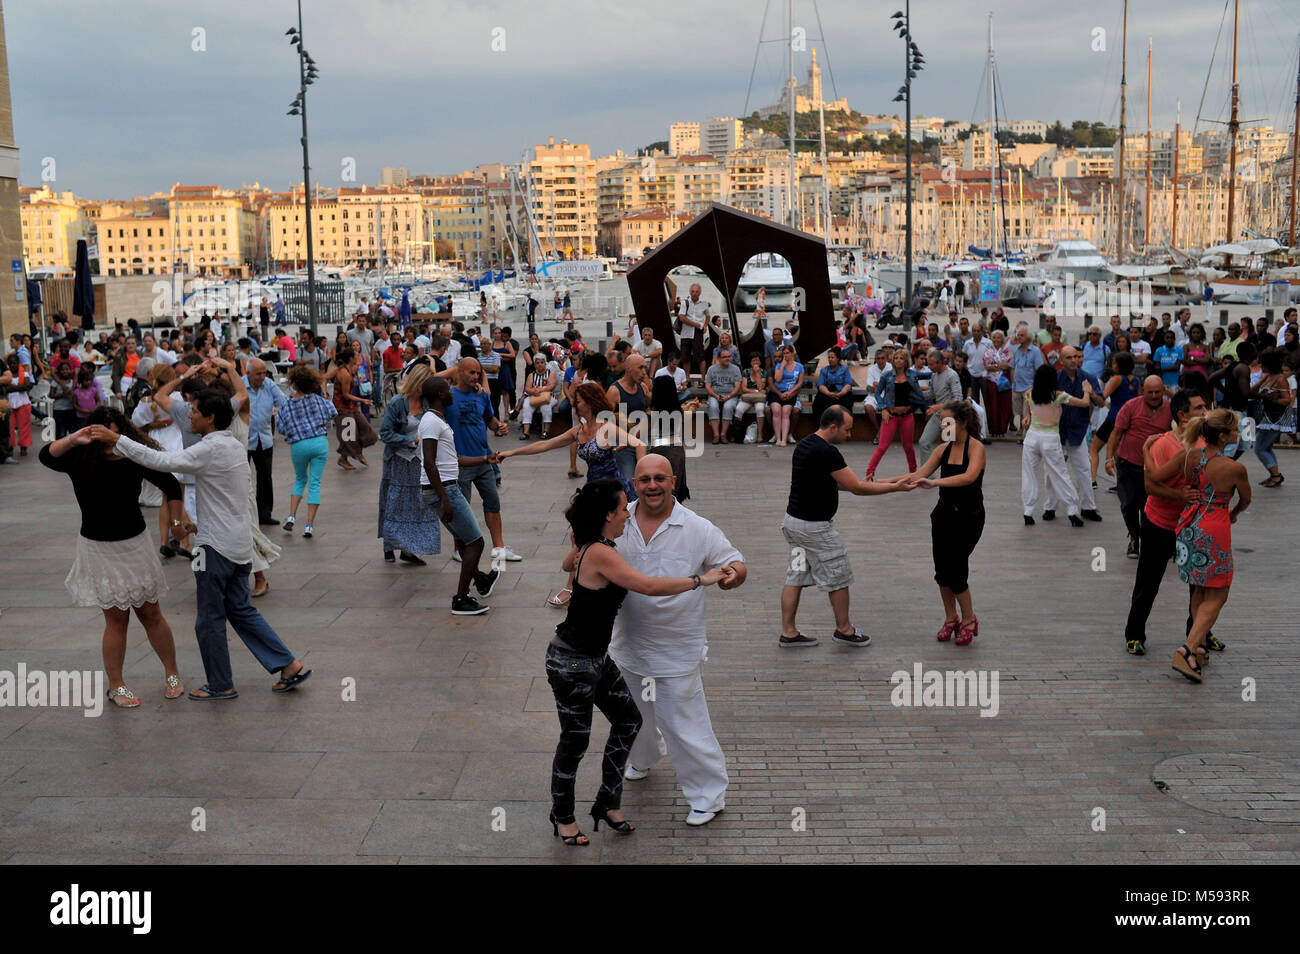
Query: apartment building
point(52, 222)
point(214, 228)
point(562, 186)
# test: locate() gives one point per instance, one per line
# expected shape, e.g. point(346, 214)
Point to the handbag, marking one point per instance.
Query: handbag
point(1004, 383)
point(753, 397)
point(537, 400)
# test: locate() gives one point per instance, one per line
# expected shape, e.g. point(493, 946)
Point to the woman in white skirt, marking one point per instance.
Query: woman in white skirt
point(117, 568)
point(1041, 427)
point(264, 551)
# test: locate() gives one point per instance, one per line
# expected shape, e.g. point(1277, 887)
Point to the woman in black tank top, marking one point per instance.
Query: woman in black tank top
point(578, 667)
point(957, 521)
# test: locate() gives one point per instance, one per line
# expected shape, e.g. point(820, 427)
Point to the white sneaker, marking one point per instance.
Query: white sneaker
point(635, 774)
point(697, 818)
point(510, 555)
point(455, 556)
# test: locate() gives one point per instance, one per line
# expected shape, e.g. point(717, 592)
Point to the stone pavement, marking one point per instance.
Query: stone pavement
point(445, 754)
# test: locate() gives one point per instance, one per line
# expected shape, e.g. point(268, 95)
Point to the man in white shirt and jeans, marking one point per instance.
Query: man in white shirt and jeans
point(659, 642)
point(694, 315)
point(224, 556)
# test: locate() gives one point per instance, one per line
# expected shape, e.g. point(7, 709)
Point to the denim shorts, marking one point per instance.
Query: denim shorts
point(817, 555)
point(484, 478)
point(463, 526)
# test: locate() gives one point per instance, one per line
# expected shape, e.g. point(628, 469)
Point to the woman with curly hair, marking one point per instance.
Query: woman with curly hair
point(117, 568)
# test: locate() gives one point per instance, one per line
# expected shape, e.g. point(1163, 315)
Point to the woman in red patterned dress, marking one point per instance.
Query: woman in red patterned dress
point(1203, 541)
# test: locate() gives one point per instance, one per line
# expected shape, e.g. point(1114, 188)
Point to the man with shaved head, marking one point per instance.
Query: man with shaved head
point(659, 642)
point(1074, 431)
point(1143, 416)
point(264, 399)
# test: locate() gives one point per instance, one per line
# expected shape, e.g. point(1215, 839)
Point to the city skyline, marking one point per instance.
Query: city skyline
point(209, 106)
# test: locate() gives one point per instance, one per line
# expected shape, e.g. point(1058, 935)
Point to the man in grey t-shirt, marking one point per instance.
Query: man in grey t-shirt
point(945, 386)
point(722, 384)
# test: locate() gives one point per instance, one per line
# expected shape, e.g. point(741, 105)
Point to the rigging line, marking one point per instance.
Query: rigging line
point(757, 47)
point(1105, 83)
point(825, 49)
point(1224, 19)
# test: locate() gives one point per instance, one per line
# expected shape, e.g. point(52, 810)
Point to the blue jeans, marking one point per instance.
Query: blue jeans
point(625, 461)
point(222, 591)
point(1264, 441)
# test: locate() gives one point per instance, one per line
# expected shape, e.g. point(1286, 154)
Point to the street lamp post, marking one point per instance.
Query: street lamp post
point(307, 74)
point(912, 61)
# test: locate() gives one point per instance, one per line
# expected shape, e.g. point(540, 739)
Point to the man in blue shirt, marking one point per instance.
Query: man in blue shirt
point(1074, 434)
point(264, 399)
point(1095, 352)
point(834, 385)
point(470, 415)
point(1025, 360)
point(1169, 361)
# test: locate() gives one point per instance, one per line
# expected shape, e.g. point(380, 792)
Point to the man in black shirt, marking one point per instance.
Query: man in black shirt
point(817, 553)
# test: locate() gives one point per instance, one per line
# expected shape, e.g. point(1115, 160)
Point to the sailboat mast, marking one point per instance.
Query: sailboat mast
point(993, 145)
point(1233, 125)
point(1173, 229)
point(790, 87)
point(1295, 153)
point(1146, 201)
point(1123, 131)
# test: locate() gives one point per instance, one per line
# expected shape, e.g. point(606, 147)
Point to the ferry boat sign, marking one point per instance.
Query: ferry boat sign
point(990, 280)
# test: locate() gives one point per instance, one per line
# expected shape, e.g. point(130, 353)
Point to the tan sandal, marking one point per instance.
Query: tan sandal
point(1185, 663)
point(557, 602)
point(124, 698)
point(174, 687)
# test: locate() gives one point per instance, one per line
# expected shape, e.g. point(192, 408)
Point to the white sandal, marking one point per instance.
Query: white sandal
point(557, 602)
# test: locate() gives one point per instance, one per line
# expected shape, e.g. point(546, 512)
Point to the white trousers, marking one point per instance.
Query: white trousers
point(1079, 466)
point(1045, 448)
point(676, 724)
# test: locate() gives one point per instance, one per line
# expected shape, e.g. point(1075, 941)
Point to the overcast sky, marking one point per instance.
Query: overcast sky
point(119, 97)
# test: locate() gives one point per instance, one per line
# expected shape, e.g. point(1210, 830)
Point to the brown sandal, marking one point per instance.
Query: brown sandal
point(1185, 663)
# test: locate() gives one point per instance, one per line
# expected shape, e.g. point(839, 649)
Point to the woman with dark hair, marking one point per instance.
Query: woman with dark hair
point(957, 521)
point(304, 422)
point(1196, 354)
point(1277, 405)
point(1203, 537)
point(596, 438)
point(578, 667)
point(405, 523)
point(1120, 388)
point(1042, 429)
point(117, 568)
point(348, 405)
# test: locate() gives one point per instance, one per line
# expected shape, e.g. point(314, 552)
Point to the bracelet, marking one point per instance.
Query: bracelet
point(696, 578)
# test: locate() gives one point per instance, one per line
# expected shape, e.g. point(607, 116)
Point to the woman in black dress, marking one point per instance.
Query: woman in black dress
point(117, 567)
point(578, 666)
point(957, 521)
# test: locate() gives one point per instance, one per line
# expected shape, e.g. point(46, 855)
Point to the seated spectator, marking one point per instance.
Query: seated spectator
point(672, 369)
point(870, 405)
point(834, 385)
point(650, 349)
point(753, 394)
point(724, 344)
point(722, 383)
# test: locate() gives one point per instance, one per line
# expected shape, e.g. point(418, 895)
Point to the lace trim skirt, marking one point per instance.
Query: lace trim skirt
point(117, 574)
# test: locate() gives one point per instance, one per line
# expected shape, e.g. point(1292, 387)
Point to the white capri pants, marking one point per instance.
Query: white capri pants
point(1045, 448)
point(759, 408)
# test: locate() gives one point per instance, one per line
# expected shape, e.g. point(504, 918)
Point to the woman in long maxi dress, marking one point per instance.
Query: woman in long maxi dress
point(406, 524)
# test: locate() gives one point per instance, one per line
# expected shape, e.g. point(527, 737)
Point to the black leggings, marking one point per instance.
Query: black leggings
point(953, 535)
point(581, 683)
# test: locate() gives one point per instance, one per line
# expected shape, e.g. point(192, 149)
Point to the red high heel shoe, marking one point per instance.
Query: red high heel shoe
point(949, 627)
point(968, 631)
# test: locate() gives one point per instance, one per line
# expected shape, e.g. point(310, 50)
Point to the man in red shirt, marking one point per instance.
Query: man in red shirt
point(1160, 516)
point(1143, 416)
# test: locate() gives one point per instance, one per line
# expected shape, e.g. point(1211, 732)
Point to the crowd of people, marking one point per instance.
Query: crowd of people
point(190, 418)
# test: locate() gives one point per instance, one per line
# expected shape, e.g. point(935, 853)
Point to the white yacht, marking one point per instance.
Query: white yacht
point(1072, 257)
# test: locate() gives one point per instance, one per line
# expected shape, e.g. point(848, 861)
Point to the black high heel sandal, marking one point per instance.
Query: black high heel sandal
point(570, 840)
point(599, 815)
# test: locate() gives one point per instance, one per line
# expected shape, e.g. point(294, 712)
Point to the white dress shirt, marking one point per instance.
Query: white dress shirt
point(219, 463)
point(664, 635)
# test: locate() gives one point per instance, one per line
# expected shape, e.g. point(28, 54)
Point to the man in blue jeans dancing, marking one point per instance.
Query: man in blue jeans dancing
point(224, 552)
